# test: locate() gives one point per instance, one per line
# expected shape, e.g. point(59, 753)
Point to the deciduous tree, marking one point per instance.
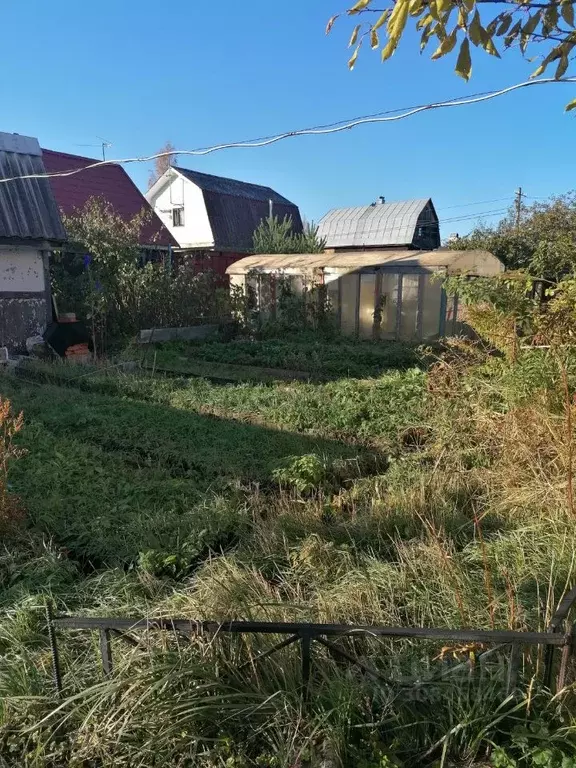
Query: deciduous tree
point(543, 30)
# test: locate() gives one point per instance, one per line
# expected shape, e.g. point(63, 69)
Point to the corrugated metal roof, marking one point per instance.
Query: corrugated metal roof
point(345, 261)
point(381, 224)
point(28, 209)
point(236, 208)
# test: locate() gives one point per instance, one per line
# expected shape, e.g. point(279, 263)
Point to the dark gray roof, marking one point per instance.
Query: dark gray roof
point(236, 208)
point(28, 209)
point(381, 224)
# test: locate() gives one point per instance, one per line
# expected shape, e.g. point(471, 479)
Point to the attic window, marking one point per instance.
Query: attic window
point(177, 217)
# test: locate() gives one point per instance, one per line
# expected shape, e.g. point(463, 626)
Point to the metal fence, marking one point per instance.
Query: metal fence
point(559, 636)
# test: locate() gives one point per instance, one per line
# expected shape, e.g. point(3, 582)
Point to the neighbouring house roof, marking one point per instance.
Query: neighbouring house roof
point(236, 208)
point(477, 262)
point(110, 182)
point(380, 224)
point(28, 210)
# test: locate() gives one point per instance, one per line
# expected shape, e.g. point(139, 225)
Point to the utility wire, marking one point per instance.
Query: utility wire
point(480, 202)
point(316, 131)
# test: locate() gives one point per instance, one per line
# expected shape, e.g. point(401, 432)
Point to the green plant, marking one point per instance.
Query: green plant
point(105, 282)
point(274, 235)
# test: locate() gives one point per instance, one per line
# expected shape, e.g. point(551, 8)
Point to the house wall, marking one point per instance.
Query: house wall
point(24, 295)
point(180, 192)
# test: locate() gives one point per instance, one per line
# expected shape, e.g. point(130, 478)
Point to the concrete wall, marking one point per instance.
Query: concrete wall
point(24, 295)
point(21, 270)
point(177, 193)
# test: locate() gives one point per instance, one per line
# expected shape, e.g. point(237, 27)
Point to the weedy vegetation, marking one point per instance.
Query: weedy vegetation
point(418, 489)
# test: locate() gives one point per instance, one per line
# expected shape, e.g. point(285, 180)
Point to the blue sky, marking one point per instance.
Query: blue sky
point(200, 73)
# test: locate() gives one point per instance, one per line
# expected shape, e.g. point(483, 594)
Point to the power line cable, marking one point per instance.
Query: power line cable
point(480, 202)
point(316, 131)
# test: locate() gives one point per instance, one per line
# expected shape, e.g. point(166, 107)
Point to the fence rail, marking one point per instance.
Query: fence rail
point(558, 636)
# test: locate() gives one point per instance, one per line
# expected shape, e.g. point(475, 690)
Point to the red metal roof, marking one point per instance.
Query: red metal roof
point(108, 181)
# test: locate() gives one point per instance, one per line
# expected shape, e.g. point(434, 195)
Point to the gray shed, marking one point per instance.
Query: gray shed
point(30, 227)
point(388, 294)
point(404, 224)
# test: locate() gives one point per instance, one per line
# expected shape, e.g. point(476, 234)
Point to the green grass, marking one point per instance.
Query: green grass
point(372, 410)
point(339, 358)
point(404, 498)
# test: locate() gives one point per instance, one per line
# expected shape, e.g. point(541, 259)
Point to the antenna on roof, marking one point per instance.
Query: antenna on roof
point(104, 144)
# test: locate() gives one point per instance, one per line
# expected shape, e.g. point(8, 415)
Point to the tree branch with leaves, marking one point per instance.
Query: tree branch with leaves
point(544, 31)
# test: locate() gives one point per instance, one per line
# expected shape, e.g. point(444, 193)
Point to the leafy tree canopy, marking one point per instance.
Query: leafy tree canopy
point(543, 30)
point(543, 242)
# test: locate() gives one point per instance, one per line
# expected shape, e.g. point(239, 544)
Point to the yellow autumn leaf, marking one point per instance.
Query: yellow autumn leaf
point(389, 49)
point(352, 60)
point(383, 19)
point(570, 106)
point(354, 37)
point(398, 18)
point(374, 40)
point(331, 23)
point(360, 5)
point(446, 45)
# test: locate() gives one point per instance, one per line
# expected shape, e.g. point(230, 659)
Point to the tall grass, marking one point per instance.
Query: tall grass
point(411, 499)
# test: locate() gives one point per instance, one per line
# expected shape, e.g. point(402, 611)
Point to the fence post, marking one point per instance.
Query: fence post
point(305, 647)
point(106, 651)
point(56, 674)
point(567, 651)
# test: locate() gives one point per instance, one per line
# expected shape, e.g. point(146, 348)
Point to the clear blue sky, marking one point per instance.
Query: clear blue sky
point(198, 73)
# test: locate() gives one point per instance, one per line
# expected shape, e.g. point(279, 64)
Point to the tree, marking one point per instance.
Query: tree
point(542, 240)
point(162, 163)
point(545, 28)
point(276, 235)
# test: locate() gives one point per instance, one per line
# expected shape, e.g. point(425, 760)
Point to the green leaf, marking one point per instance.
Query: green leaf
point(360, 5)
point(514, 32)
point(550, 19)
point(475, 29)
point(531, 24)
point(567, 11)
point(469, 4)
point(464, 62)
point(490, 48)
point(562, 66)
point(446, 45)
point(504, 25)
point(374, 40)
point(354, 37)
